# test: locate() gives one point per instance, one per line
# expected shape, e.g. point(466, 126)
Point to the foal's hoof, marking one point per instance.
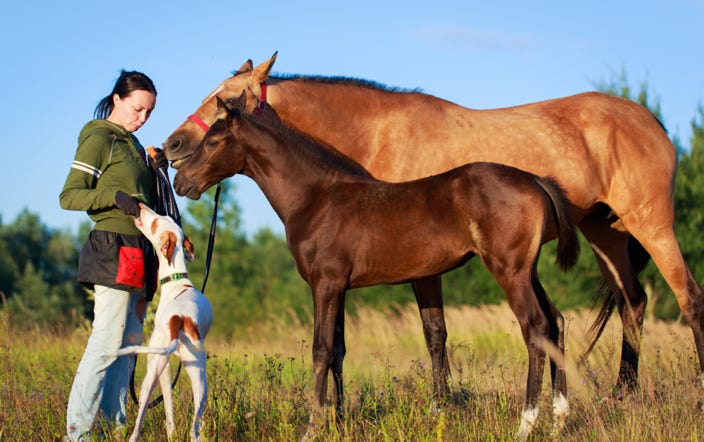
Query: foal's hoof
point(309, 436)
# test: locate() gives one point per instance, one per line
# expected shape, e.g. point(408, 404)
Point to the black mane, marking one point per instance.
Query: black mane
point(370, 84)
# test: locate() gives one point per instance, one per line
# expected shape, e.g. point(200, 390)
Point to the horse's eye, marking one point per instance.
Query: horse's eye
point(211, 143)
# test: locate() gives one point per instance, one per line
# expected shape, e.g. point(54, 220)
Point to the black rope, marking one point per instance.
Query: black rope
point(165, 199)
point(211, 237)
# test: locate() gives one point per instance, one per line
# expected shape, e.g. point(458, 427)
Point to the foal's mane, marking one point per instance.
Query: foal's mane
point(320, 153)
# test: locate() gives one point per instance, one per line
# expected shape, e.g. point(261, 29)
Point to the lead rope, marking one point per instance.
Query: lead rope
point(166, 205)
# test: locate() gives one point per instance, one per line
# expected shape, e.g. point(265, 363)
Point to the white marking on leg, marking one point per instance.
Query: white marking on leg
point(560, 411)
point(529, 416)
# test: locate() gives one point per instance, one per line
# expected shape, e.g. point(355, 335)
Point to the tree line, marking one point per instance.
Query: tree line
point(254, 278)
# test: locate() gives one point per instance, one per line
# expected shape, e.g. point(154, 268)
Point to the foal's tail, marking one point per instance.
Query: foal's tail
point(567, 241)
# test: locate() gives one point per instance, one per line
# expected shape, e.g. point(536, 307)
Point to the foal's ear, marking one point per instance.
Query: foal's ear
point(188, 249)
point(223, 110)
point(241, 102)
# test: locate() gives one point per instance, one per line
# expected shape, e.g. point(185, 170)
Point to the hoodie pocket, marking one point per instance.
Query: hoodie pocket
point(130, 267)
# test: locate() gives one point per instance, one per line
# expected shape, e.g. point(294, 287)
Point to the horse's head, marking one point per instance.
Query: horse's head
point(181, 144)
point(218, 156)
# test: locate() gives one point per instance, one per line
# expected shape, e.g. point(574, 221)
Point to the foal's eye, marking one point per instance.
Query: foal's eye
point(211, 143)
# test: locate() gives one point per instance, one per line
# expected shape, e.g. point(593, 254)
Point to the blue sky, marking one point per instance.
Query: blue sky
point(60, 58)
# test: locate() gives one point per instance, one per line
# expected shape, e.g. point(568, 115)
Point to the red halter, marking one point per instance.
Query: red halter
point(199, 122)
point(260, 108)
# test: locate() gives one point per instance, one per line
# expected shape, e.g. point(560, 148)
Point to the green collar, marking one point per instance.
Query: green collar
point(173, 277)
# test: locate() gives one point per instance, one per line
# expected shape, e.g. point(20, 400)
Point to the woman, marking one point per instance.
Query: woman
point(108, 178)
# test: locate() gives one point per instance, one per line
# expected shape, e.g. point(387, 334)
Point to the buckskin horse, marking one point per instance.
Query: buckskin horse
point(612, 157)
point(346, 229)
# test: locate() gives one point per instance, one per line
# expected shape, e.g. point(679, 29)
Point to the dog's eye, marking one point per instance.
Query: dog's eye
point(155, 225)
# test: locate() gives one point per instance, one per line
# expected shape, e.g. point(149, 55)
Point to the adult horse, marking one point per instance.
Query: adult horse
point(347, 229)
point(611, 156)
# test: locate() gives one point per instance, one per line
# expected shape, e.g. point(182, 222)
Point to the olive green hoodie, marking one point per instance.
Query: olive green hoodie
point(109, 158)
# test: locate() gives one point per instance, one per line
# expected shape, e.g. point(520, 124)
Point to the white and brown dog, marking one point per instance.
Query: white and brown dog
point(182, 321)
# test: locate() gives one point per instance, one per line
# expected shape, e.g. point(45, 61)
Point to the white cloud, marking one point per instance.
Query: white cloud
point(458, 36)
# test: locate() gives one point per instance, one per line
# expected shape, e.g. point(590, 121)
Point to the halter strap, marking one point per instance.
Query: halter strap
point(262, 100)
point(173, 277)
point(260, 108)
point(199, 122)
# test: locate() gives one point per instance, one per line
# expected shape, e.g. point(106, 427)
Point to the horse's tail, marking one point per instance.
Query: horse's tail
point(639, 259)
point(567, 240)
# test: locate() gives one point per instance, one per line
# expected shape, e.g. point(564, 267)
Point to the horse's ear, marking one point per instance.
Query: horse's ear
point(261, 72)
point(246, 67)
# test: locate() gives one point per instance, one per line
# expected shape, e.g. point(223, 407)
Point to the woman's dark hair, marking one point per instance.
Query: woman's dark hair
point(127, 82)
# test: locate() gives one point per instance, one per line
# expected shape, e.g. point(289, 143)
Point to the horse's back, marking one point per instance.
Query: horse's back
point(591, 142)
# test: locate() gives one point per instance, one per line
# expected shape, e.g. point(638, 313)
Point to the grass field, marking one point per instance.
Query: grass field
point(260, 387)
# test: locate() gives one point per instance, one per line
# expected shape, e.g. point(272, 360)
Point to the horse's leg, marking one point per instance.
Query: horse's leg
point(428, 293)
point(611, 250)
point(326, 308)
point(338, 353)
point(658, 237)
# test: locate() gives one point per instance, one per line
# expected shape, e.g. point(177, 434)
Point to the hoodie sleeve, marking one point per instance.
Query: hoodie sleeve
point(91, 159)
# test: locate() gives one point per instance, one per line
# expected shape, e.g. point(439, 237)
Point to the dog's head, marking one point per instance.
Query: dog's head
point(164, 234)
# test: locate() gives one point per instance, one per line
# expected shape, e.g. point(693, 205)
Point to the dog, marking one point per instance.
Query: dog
point(182, 321)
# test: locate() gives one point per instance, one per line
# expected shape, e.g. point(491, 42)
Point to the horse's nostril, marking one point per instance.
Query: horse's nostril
point(173, 144)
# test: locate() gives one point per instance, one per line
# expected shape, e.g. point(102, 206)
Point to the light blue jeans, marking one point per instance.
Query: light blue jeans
point(101, 381)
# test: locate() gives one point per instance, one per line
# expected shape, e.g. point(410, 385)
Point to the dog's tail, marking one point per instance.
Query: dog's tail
point(177, 325)
point(133, 349)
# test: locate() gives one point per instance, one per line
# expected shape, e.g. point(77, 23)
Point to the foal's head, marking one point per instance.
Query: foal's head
point(215, 158)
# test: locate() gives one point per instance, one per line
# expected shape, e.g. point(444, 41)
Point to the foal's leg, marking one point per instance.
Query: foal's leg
point(611, 250)
point(339, 350)
point(560, 405)
point(327, 296)
point(536, 333)
point(428, 293)
point(516, 280)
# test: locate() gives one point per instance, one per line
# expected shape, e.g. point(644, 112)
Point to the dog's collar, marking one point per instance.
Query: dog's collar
point(173, 277)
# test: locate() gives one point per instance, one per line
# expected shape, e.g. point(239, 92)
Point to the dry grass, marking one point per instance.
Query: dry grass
point(260, 388)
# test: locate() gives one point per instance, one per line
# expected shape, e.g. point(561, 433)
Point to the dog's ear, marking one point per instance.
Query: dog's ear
point(188, 249)
point(167, 244)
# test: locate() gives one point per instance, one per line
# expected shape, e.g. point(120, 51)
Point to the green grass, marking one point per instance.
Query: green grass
point(261, 386)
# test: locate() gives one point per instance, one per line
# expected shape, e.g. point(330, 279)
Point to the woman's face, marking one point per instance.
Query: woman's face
point(132, 111)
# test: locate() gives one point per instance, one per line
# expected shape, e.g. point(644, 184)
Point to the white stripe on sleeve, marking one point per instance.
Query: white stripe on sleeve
point(87, 168)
